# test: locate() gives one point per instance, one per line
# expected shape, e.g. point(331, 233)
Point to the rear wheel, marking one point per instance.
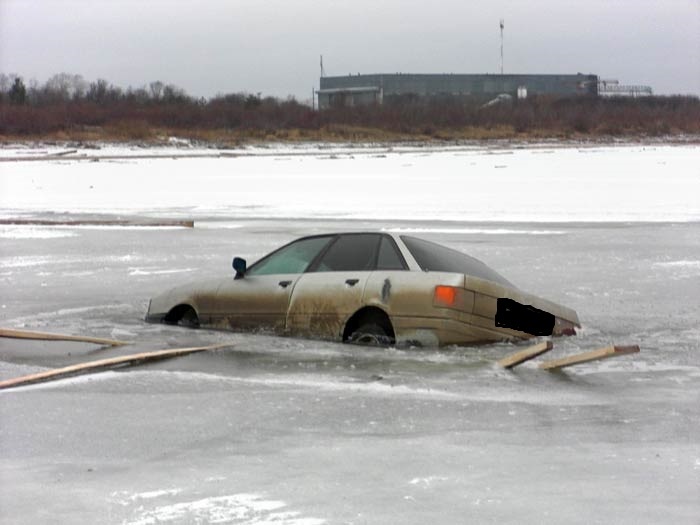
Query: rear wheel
point(370, 334)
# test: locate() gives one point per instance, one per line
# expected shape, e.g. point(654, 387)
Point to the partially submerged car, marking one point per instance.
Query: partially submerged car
point(371, 288)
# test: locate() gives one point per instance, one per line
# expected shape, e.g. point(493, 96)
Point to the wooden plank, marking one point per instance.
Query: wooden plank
point(525, 355)
point(586, 357)
point(103, 364)
point(45, 336)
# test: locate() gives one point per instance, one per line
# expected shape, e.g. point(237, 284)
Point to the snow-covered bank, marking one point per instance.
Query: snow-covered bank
point(592, 184)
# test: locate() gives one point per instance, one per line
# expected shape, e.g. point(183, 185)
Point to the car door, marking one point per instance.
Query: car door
point(260, 299)
point(332, 289)
point(392, 287)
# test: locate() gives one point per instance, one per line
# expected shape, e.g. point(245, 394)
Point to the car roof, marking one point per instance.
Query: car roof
point(480, 269)
point(408, 257)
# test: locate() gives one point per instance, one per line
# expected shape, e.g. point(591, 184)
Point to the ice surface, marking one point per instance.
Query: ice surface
point(302, 432)
point(236, 508)
point(31, 232)
point(626, 183)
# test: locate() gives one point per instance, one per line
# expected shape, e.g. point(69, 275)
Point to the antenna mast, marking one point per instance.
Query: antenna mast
point(501, 46)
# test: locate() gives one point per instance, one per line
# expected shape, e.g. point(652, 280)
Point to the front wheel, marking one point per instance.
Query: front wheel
point(189, 319)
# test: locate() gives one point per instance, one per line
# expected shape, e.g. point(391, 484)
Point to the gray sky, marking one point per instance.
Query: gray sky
point(273, 46)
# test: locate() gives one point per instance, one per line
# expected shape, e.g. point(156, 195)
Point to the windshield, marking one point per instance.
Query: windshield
point(293, 258)
point(432, 257)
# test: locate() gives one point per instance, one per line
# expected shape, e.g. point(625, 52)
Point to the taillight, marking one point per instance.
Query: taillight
point(445, 296)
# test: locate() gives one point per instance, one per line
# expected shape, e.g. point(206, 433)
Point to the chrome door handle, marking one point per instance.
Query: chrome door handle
point(284, 284)
point(352, 282)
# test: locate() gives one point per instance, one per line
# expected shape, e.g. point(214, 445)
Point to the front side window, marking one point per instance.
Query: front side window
point(433, 257)
point(293, 258)
point(349, 253)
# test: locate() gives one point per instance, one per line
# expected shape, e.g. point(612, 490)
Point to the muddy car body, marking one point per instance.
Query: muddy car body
point(375, 288)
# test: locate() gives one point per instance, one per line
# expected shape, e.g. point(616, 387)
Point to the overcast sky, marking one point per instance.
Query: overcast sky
point(273, 46)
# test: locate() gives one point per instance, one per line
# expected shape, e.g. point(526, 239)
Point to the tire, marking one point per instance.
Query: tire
point(370, 334)
point(189, 319)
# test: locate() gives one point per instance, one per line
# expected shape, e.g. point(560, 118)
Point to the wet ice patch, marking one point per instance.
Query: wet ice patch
point(23, 262)
point(234, 509)
point(328, 384)
point(24, 232)
point(152, 271)
point(30, 321)
point(681, 269)
point(387, 388)
point(11, 370)
point(428, 481)
point(679, 264)
point(78, 274)
point(218, 225)
point(124, 498)
point(63, 382)
point(126, 227)
point(333, 384)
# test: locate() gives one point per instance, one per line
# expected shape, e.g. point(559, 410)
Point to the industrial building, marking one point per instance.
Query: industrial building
point(354, 90)
point(613, 88)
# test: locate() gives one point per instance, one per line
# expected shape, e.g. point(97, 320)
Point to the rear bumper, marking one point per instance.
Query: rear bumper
point(441, 331)
point(436, 331)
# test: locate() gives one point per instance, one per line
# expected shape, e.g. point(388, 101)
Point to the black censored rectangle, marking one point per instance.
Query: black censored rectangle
point(523, 317)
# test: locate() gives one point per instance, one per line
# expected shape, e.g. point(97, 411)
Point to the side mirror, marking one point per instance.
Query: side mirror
point(239, 265)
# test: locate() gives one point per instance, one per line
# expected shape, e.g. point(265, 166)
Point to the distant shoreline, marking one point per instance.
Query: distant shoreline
point(42, 149)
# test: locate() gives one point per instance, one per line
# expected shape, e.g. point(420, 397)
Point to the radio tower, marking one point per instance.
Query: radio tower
point(501, 46)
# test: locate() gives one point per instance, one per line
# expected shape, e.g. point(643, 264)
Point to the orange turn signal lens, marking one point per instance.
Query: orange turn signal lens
point(445, 296)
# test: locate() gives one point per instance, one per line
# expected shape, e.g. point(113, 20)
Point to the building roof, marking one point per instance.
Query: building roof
point(361, 89)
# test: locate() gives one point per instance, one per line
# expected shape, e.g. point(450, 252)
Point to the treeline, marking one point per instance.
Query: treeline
point(69, 103)
point(70, 107)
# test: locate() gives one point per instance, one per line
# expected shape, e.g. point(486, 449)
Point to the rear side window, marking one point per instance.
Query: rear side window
point(350, 253)
point(433, 257)
point(293, 258)
point(389, 257)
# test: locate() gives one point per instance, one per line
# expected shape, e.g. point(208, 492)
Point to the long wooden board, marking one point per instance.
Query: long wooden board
point(45, 336)
point(586, 357)
point(103, 364)
point(525, 355)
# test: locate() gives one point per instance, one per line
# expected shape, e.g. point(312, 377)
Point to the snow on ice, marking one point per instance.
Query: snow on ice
point(625, 183)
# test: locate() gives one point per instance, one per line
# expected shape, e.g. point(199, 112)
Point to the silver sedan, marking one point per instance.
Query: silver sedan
point(371, 288)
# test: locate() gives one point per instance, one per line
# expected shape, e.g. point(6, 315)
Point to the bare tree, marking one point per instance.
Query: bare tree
point(137, 95)
point(173, 94)
point(64, 86)
point(97, 91)
point(156, 89)
point(5, 83)
point(18, 92)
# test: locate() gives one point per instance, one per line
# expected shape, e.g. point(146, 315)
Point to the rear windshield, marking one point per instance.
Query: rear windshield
point(433, 257)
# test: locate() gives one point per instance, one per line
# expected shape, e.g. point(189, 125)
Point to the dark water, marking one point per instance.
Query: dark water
point(274, 430)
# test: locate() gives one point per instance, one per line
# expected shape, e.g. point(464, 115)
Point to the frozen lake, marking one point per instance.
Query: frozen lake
point(298, 432)
point(545, 184)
